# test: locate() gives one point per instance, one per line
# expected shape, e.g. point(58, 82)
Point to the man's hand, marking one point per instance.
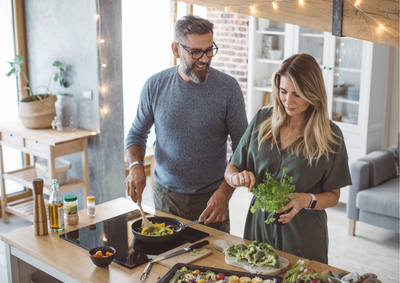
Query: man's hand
point(135, 183)
point(217, 205)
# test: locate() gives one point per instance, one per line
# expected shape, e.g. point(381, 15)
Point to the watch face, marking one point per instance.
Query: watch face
point(314, 203)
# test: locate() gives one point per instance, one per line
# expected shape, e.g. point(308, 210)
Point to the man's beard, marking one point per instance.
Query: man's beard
point(196, 76)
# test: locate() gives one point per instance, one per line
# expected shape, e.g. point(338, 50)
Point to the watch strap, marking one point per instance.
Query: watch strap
point(313, 202)
point(135, 163)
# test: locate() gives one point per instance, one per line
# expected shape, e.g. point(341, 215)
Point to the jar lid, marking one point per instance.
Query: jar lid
point(70, 197)
point(90, 198)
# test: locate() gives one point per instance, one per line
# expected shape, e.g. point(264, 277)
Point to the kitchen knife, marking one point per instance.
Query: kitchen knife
point(192, 247)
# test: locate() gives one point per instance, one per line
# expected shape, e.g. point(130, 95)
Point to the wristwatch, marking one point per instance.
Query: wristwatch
point(313, 202)
point(135, 163)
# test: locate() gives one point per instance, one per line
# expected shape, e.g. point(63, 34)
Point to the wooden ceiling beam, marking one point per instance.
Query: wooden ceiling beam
point(362, 23)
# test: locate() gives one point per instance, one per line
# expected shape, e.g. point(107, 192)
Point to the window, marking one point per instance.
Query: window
point(9, 94)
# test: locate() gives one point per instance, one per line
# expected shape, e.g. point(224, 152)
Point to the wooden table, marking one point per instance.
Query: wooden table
point(45, 143)
point(26, 253)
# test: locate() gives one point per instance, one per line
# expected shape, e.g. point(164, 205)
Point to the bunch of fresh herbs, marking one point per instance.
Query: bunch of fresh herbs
point(272, 195)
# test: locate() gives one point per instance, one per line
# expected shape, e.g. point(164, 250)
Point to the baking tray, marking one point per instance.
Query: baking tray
point(170, 274)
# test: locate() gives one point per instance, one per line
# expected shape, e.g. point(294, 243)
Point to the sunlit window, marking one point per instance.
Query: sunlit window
point(9, 94)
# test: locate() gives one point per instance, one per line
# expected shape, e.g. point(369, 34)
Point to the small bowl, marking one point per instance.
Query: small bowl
point(102, 261)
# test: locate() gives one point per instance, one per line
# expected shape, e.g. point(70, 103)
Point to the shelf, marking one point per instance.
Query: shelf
point(271, 32)
point(312, 35)
point(348, 69)
point(270, 61)
point(263, 88)
point(24, 208)
point(26, 175)
point(345, 100)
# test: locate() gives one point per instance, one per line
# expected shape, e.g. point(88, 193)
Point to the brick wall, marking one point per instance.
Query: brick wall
point(231, 37)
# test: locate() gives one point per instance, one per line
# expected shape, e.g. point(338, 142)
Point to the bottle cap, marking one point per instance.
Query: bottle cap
point(90, 198)
point(70, 197)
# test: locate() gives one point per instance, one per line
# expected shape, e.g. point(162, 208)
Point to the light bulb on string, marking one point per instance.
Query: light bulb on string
point(97, 16)
point(274, 4)
point(381, 27)
point(358, 2)
point(104, 89)
point(252, 8)
point(226, 9)
point(104, 65)
point(102, 40)
point(301, 1)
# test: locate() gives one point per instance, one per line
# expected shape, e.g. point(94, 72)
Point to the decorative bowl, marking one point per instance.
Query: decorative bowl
point(102, 261)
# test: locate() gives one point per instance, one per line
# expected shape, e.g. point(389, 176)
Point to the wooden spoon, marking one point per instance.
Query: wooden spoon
point(145, 221)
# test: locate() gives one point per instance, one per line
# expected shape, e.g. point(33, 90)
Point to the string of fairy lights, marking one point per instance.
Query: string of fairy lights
point(253, 8)
point(103, 64)
point(275, 4)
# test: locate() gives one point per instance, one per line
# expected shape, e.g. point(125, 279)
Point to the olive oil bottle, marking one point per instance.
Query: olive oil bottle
point(56, 211)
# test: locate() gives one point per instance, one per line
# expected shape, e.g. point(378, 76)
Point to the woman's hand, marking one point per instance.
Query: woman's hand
point(297, 202)
point(243, 179)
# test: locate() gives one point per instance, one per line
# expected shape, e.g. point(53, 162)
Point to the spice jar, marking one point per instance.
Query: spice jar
point(91, 210)
point(71, 215)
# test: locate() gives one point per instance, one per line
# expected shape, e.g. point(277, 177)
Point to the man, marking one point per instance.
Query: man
point(194, 108)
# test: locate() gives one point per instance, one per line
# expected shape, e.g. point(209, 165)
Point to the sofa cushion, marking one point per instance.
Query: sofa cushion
point(383, 199)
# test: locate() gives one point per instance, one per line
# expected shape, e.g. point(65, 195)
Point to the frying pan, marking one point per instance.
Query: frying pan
point(177, 224)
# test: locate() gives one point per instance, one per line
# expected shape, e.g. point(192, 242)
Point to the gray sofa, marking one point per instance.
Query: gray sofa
point(374, 195)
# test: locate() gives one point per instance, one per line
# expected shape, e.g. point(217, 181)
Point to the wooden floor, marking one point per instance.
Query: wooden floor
point(372, 250)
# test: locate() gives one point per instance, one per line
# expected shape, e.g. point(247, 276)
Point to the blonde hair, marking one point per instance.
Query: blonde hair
point(316, 137)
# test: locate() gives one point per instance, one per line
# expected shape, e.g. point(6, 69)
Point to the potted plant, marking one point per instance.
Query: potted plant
point(272, 195)
point(37, 111)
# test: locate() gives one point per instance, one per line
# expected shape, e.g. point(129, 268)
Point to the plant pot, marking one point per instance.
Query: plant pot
point(277, 216)
point(37, 114)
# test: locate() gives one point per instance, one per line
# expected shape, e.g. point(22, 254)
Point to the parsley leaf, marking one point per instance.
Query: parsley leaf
point(272, 195)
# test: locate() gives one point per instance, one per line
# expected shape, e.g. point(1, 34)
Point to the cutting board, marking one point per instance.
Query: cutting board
point(222, 245)
point(182, 258)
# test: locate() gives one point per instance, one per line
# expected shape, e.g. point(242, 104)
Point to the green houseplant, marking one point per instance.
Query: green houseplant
point(37, 111)
point(272, 195)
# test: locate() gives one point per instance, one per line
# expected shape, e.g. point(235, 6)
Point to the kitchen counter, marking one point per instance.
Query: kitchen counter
point(27, 253)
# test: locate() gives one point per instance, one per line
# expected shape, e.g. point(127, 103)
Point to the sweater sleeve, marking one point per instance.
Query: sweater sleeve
point(144, 119)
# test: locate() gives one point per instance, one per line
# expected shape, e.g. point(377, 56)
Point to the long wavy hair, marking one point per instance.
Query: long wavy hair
point(316, 137)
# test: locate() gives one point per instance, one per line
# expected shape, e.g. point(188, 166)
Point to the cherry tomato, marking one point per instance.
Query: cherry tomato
point(220, 276)
point(196, 272)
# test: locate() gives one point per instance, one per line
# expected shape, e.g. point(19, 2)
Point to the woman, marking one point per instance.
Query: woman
point(295, 133)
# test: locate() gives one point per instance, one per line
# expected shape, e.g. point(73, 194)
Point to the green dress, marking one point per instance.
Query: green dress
point(306, 235)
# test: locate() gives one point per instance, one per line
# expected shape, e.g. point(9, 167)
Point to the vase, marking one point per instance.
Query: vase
point(39, 113)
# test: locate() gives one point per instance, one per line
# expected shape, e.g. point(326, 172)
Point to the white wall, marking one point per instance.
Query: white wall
point(392, 127)
point(146, 50)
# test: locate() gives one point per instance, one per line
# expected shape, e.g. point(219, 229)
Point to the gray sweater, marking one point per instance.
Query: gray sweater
point(192, 122)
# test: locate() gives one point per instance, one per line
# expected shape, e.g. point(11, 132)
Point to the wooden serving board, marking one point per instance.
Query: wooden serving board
point(222, 245)
point(183, 258)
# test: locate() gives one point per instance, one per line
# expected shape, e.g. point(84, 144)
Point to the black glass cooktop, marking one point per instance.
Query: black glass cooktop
point(116, 232)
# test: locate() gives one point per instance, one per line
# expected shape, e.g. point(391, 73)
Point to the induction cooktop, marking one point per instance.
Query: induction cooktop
point(116, 232)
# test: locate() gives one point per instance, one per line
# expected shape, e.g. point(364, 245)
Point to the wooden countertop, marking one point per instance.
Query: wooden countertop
point(46, 136)
point(74, 261)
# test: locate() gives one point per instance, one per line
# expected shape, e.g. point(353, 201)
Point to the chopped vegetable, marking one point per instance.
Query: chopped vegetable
point(196, 272)
point(157, 230)
point(220, 276)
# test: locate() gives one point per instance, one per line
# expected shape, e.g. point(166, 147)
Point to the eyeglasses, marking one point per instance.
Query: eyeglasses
point(198, 54)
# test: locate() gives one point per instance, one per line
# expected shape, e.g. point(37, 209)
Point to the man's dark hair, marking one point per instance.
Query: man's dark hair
point(192, 24)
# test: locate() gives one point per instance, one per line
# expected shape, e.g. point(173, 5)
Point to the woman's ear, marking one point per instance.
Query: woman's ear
point(175, 49)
